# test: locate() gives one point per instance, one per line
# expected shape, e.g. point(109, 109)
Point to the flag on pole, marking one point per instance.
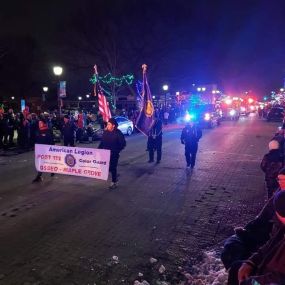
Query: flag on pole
point(145, 119)
point(103, 103)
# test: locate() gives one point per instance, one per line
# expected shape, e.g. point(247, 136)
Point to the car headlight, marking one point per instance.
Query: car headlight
point(188, 117)
point(207, 117)
point(232, 112)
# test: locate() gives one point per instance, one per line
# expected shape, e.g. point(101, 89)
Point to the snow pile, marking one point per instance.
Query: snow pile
point(210, 272)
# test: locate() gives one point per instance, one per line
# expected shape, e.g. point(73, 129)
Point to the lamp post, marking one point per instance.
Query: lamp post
point(165, 88)
point(45, 90)
point(57, 70)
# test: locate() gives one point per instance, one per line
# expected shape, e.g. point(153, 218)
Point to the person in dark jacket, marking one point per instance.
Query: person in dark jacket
point(255, 234)
point(190, 137)
point(154, 142)
point(2, 129)
point(44, 136)
point(266, 265)
point(68, 131)
point(271, 164)
point(10, 128)
point(114, 140)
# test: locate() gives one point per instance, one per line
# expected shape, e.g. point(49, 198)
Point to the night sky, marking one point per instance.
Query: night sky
point(239, 45)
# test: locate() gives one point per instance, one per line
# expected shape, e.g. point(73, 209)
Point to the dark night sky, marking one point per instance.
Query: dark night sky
point(238, 44)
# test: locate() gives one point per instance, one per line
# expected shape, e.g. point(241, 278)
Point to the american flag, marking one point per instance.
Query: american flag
point(103, 103)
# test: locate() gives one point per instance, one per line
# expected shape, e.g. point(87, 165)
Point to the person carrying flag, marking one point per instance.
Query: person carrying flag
point(154, 142)
point(114, 140)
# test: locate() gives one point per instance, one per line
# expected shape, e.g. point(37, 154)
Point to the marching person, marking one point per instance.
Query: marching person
point(44, 136)
point(190, 137)
point(114, 140)
point(154, 142)
point(68, 131)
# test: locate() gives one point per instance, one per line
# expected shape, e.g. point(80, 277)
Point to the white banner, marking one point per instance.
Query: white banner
point(78, 161)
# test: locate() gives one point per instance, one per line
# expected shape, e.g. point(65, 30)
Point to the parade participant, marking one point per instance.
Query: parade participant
point(190, 137)
point(114, 140)
point(271, 164)
point(44, 136)
point(265, 266)
point(68, 131)
point(154, 142)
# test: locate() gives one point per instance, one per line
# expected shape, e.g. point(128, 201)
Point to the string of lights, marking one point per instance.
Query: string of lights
point(108, 79)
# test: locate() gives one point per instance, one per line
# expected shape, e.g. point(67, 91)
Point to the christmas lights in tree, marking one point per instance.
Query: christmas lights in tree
point(118, 81)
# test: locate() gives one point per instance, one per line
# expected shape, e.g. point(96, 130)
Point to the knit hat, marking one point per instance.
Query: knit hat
point(279, 203)
point(113, 122)
point(273, 145)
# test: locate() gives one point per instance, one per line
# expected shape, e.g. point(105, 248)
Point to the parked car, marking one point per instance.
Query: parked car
point(275, 114)
point(125, 125)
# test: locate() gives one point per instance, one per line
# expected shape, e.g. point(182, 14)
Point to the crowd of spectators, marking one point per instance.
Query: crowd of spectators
point(255, 254)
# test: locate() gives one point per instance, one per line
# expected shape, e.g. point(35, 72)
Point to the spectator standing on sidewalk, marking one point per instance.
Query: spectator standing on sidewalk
point(2, 129)
point(114, 140)
point(190, 137)
point(10, 128)
point(166, 116)
point(44, 136)
point(154, 142)
point(68, 131)
point(271, 164)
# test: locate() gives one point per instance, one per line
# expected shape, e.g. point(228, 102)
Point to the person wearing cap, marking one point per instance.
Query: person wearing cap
point(271, 163)
point(114, 140)
point(255, 234)
point(68, 131)
point(267, 265)
point(190, 137)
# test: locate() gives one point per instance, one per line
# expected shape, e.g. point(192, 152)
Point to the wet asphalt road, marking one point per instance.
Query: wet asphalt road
point(67, 229)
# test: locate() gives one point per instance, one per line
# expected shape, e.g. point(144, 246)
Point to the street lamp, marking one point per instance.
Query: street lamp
point(57, 70)
point(79, 98)
point(165, 88)
point(87, 95)
point(12, 97)
point(45, 90)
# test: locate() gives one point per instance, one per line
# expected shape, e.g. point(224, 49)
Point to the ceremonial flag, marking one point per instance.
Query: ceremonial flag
point(145, 119)
point(103, 103)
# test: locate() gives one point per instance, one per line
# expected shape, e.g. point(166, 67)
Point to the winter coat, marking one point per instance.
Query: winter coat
point(155, 135)
point(269, 261)
point(190, 136)
point(271, 163)
point(68, 130)
point(114, 141)
point(45, 134)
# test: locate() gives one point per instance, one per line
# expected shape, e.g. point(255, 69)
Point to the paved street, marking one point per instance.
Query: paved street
point(67, 229)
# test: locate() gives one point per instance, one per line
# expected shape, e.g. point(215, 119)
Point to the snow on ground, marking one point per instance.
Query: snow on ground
point(210, 271)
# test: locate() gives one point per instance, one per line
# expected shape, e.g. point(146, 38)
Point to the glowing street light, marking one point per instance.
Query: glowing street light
point(282, 89)
point(45, 89)
point(87, 95)
point(203, 88)
point(79, 98)
point(13, 98)
point(165, 87)
point(57, 70)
